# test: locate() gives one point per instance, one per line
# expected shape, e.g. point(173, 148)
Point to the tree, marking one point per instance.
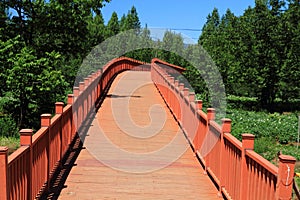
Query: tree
point(290, 71)
point(173, 48)
point(113, 27)
point(209, 31)
point(34, 84)
point(123, 26)
point(131, 21)
point(96, 29)
point(41, 46)
point(259, 45)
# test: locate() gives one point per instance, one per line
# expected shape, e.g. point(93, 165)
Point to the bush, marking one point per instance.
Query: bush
point(245, 103)
point(8, 127)
point(266, 147)
point(281, 127)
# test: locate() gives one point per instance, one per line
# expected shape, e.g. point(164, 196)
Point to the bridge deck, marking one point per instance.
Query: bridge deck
point(148, 158)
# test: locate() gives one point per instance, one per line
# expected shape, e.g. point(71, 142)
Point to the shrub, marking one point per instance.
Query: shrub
point(281, 127)
point(8, 127)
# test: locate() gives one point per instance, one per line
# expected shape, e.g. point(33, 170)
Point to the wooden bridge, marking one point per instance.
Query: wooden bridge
point(131, 131)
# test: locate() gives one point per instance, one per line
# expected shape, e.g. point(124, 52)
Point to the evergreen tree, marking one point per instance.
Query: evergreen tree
point(96, 29)
point(132, 20)
point(123, 26)
point(113, 26)
point(257, 53)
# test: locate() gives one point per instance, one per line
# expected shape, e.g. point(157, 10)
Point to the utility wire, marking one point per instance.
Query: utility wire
point(185, 29)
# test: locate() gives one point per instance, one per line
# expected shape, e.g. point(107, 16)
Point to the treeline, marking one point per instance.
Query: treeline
point(42, 45)
point(258, 53)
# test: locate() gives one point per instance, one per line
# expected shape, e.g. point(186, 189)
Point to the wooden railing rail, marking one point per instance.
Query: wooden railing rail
point(238, 171)
point(25, 173)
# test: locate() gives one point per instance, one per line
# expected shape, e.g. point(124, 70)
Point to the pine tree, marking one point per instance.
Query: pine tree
point(132, 20)
point(113, 27)
point(96, 29)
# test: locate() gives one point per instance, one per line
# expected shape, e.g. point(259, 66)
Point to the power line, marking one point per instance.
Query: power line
point(185, 29)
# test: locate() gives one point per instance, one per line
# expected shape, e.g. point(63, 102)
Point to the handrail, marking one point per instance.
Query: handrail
point(26, 172)
point(234, 166)
point(158, 61)
point(262, 161)
point(239, 172)
point(233, 140)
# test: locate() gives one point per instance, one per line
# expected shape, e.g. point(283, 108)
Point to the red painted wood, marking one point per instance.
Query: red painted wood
point(25, 172)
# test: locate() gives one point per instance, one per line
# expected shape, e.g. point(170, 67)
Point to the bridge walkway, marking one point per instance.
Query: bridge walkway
point(134, 149)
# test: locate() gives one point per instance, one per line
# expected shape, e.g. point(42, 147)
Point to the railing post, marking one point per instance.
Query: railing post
point(186, 92)
point(46, 122)
point(81, 87)
point(226, 128)
point(171, 80)
point(192, 97)
point(167, 87)
point(171, 92)
point(211, 113)
point(285, 177)
point(77, 106)
point(26, 137)
point(86, 81)
point(70, 99)
point(76, 91)
point(90, 77)
point(176, 83)
point(181, 86)
point(184, 109)
point(4, 173)
point(59, 107)
point(26, 140)
point(247, 144)
point(199, 104)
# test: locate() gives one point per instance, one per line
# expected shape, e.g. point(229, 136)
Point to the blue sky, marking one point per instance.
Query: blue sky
point(175, 14)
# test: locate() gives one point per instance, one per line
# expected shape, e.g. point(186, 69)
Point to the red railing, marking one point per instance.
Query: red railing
point(237, 170)
point(25, 173)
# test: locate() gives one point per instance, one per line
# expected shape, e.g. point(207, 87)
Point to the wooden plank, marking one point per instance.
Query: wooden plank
point(183, 178)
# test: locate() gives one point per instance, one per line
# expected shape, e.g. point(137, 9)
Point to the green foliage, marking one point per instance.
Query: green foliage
point(266, 147)
point(244, 103)
point(96, 29)
point(257, 53)
point(113, 26)
point(42, 46)
point(132, 21)
point(34, 83)
point(269, 148)
point(280, 127)
point(8, 127)
point(11, 142)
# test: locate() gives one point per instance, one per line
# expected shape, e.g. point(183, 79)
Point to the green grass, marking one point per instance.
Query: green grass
point(11, 142)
